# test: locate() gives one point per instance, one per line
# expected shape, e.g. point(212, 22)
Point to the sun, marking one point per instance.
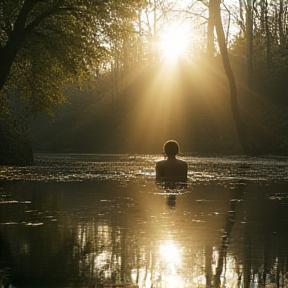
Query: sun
point(174, 41)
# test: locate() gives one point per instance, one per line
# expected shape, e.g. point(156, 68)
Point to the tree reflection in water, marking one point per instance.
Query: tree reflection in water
point(162, 252)
point(105, 233)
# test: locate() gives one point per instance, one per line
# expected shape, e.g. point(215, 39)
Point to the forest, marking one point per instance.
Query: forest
point(124, 77)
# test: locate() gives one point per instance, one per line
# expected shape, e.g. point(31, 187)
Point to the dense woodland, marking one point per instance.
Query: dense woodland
point(100, 84)
point(196, 112)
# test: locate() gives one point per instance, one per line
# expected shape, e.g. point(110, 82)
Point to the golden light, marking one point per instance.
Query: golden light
point(170, 253)
point(171, 265)
point(174, 41)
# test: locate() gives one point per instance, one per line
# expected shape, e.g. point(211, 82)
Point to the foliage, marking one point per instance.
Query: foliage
point(269, 54)
point(54, 42)
point(135, 124)
point(14, 146)
point(46, 45)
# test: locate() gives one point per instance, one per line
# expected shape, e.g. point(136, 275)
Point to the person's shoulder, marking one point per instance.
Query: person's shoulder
point(182, 162)
point(161, 162)
point(182, 165)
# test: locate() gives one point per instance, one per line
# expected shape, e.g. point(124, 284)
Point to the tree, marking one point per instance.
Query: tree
point(210, 32)
point(122, 37)
point(45, 45)
point(247, 146)
point(249, 42)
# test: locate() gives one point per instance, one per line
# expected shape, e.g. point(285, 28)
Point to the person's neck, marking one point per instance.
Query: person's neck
point(171, 157)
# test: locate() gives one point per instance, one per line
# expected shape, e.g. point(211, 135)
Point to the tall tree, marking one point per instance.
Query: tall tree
point(249, 42)
point(122, 39)
point(210, 32)
point(44, 45)
point(247, 146)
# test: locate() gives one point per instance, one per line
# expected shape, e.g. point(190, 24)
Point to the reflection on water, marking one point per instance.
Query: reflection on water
point(226, 228)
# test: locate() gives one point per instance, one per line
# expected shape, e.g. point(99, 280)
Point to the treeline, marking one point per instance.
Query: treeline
point(188, 102)
point(132, 102)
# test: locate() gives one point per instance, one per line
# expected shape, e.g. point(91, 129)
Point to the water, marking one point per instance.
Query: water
point(101, 221)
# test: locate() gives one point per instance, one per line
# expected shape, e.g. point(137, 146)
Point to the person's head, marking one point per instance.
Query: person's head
point(171, 148)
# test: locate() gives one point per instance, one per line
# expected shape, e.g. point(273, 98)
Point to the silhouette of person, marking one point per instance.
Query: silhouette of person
point(171, 169)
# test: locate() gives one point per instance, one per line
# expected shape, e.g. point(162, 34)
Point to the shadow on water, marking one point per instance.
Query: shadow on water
point(107, 233)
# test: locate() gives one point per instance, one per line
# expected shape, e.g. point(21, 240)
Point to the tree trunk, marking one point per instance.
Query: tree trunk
point(268, 39)
point(7, 56)
point(15, 148)
point(210, 33)
point(16, 36)
point(280, 24)
point(249, 44)
point(241, 130)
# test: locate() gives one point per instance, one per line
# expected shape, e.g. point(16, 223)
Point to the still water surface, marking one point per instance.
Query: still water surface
point(101, 221)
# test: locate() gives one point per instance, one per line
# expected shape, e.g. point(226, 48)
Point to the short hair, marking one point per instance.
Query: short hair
point(171, 148)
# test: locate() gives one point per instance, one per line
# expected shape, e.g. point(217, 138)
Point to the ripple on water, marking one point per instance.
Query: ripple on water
point(82, 167)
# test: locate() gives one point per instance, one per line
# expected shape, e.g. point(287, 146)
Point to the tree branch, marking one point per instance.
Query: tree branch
point(40, 18)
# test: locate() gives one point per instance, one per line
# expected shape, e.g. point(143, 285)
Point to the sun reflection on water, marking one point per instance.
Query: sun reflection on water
point(160, 264)
point(164, 271)
point(139, 234)
point(171, 264)
point(110, 255)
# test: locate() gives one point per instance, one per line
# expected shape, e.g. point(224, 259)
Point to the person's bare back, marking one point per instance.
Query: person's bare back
point(172, 169)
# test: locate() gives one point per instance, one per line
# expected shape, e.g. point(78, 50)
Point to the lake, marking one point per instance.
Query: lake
point(74, 220)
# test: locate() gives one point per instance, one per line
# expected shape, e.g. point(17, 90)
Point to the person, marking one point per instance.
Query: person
point(171, 169)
